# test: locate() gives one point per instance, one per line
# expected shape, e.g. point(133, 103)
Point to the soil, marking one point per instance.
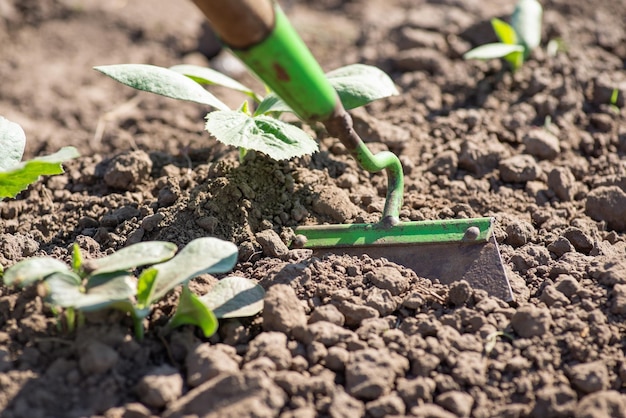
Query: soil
point(542, 150)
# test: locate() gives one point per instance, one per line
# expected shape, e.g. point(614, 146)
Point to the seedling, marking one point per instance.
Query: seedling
point(108, 282)
point(613, 100)
point(492, 339)
point(260, 130)
point(15, 175)
point(517, 40)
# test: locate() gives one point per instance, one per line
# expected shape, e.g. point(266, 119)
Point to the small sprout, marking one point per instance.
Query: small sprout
point(613, 101)
point(492, 339)
point(15, 175)
point(517, 40)
point(262, 131)
point(109, 282)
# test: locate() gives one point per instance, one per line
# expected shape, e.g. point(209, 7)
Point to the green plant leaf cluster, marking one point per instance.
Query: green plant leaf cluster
point(109, 282)
point(15, 175)
point(517, 40)
point(262, 131)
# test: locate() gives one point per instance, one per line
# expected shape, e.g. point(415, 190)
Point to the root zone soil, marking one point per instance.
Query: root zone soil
point(542, 150)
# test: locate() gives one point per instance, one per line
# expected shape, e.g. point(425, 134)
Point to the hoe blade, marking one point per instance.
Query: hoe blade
point(447, 250)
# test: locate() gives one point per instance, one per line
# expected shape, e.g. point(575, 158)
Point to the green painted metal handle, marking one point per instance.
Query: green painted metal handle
point(286, 65)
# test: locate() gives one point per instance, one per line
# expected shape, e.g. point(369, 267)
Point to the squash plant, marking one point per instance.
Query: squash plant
point(16, 175)
point(109, 282)
point(261, 129)
point(517, 40)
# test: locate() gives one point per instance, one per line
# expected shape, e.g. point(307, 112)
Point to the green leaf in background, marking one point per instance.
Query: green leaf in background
point(504, 31)
point(359, 84)
point(12, 143)
point(209, 76)
point(161, 81)
point(140, 254)
point(31, 270)
point(192, 311)
point(356, 85)
point(19, 177)
point(271, 136)
point(235, 297)
point(526, 21)
point(490, 51)
point(202, 255)
point(77, 259)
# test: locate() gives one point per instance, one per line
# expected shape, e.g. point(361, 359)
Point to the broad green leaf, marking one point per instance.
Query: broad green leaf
point(161, 81)
point(192, 311)
point(209, 76)
point(490, 51)
point(202, 255)
point(526, 21)
point(356, 85)
point(103, 291)
point(19, 177)
point(12, 143)
point(140, 254)
point(359, 84)
point(504, 31)
point(235, 297)
point(31, 270)
point(271, 136)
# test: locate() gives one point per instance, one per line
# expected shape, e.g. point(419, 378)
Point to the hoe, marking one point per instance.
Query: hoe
point(258, 32)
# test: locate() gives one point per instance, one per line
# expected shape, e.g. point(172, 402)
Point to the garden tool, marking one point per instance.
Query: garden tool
point(259, 33)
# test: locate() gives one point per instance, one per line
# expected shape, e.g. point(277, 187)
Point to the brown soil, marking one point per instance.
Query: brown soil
point(542, 150)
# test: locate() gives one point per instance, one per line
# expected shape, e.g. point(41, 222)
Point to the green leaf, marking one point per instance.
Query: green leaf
point(12, 143)
point(192, 311)
point(140, 254)
point(515, 59)
point(77, 258)
point(272, 103)
point(102, 291)
point(235, 297)
point(490, 51)
point(19, 177)
point(202, 255)
point(145, 285)
point(356, 85)
point(209, 76)
point(31, 270)
point(526, 21)
point(161, 81)
point(271, 136)
point(504, 31)
point(359, 84)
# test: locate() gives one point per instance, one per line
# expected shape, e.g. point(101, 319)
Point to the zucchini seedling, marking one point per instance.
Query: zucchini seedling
point(108, 282)
point(261, 129)
point(16, 175)
point(517, 40)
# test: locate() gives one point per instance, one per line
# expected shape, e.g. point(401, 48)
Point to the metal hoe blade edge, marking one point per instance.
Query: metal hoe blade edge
point(444, 250)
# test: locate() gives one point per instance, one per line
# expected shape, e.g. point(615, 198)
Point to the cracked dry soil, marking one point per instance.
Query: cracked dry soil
point(542, 150)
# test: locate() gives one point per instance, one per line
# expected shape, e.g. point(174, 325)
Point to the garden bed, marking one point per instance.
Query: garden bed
point(542, 150)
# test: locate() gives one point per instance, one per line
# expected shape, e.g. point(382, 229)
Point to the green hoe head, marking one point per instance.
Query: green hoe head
point(443, 250)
